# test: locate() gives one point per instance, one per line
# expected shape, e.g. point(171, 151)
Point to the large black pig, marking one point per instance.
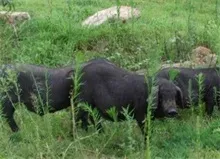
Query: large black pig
point(187, 79)
point(105, 85)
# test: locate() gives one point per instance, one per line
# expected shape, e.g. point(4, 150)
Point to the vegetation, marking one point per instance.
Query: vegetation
point(166, 30)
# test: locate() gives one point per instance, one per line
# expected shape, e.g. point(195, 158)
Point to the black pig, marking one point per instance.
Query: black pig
point(210, 85)
point(50, 86)
point(104, 85)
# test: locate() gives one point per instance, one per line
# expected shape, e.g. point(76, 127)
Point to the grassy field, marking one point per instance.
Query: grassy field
point(54, 36)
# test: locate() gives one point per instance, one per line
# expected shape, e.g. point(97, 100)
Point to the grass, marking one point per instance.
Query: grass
point(166, 30)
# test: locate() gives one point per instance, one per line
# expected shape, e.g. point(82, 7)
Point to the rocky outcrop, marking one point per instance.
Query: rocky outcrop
point(122, 12)
point(200, 57)
point(204, 56)
point(14, 17)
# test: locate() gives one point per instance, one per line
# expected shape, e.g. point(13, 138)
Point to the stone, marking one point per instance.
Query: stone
point(188, 64)
point(14, 17)
point(204, 56)
point(200, 57)
point(142, 71)
point(125, 13)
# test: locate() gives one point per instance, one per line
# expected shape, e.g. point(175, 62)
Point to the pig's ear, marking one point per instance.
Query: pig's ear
point(179, 97)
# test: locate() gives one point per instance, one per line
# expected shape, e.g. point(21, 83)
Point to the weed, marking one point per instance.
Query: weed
point(166, 30)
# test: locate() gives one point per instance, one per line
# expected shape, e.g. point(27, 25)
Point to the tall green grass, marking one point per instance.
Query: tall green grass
point(166, 30)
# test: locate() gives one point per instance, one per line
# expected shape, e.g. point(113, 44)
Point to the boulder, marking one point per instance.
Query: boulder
point(122, 12)
point(14, 17)
point(141, 72)
point(200, 57)
point(204, 56)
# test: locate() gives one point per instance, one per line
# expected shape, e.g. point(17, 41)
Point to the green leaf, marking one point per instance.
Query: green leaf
point(173, 73)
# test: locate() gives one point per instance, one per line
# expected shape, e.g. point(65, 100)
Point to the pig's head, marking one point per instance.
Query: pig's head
point(167, 97)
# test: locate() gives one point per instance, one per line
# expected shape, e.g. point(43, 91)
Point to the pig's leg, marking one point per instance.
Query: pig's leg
point(8, 112)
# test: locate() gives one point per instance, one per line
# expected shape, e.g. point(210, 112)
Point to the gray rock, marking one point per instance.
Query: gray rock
point(200, 57)
point(14, 17)
point(122, 12)
point(142, 72)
